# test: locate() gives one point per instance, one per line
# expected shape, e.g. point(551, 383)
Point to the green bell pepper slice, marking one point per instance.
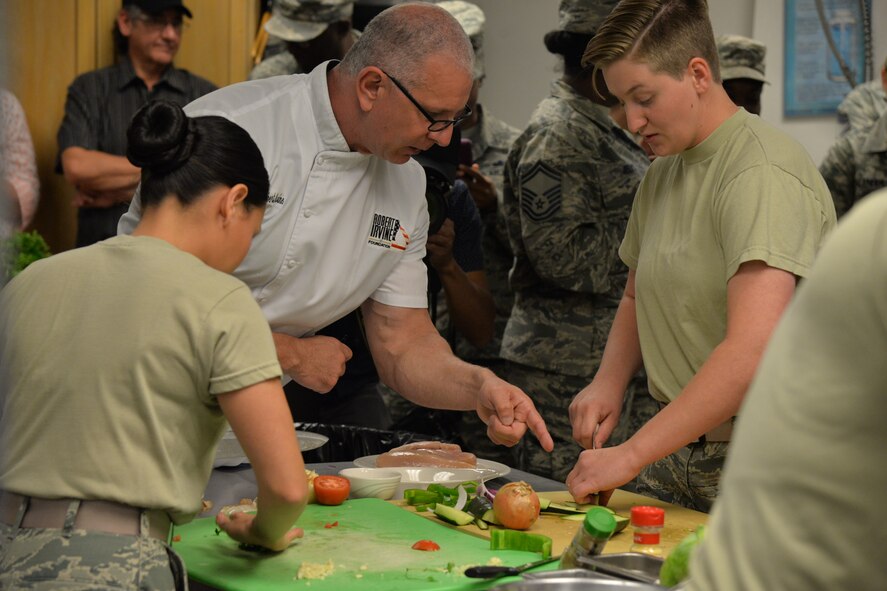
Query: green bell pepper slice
point(510, 539)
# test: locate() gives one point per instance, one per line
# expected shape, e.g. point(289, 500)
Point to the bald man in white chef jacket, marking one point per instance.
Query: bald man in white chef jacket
point(346, 221)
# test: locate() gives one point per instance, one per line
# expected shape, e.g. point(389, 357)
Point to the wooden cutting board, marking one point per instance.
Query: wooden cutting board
point(679, 521)
point(370, 548)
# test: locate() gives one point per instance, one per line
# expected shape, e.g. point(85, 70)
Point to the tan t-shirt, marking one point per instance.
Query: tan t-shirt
point(111, 359)
point(747, 192)
point(802, 498)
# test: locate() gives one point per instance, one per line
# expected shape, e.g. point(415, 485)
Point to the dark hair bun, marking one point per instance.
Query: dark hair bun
point(161, 137)
point(570, 45)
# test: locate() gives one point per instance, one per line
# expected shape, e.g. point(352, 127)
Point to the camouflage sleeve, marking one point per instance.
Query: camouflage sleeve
point(281, 64)
point(573, 203)
point(839, 171)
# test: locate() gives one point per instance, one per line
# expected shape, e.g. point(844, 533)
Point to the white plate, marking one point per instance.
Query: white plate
point(486, 469)
point(229, 452)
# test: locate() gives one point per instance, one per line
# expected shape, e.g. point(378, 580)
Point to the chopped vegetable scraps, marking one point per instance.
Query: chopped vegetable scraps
point(331, 525)
point(315, 570)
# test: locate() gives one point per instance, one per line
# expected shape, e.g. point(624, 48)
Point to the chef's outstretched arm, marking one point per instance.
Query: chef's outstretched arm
point(415, 361)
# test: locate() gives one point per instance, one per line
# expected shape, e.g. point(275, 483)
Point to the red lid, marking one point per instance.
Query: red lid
point(644, 515)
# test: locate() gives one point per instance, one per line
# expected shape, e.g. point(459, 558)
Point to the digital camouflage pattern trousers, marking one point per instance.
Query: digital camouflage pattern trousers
point(689, 477)
point(78, 560)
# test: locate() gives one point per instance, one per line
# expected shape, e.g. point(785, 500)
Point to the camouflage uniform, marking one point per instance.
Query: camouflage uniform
point(856, 165)
point(862, 106)
point(68, 558)
point(742, 70)
point(298, 21)
point(472, 20)
point(281, 64)
point(741, 57)
point(688, 477)
point(570, 179)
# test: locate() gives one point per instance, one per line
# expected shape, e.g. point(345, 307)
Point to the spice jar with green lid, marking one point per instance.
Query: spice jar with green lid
point(591, 537)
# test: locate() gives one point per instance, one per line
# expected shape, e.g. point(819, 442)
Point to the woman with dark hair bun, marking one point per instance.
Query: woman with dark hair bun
point(121, 362)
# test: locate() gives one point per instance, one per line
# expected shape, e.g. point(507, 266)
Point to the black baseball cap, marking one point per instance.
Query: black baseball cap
point(158, 6)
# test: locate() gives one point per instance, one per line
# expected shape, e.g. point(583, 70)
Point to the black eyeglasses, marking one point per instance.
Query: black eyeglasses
point(433, 124)
point(158, 22)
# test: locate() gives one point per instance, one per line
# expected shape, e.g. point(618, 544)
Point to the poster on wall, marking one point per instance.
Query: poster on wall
point(826, 45)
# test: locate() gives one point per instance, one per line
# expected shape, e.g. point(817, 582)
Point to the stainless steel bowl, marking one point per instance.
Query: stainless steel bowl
point(574, 580)
point(633, 566)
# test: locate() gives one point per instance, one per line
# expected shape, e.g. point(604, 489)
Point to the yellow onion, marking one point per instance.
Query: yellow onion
point(516, 505)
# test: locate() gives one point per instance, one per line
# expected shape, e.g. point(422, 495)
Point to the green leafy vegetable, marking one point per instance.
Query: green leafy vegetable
point(677, 565)
point(19, 251)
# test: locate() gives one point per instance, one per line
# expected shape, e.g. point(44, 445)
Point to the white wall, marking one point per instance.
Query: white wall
point(520, 69)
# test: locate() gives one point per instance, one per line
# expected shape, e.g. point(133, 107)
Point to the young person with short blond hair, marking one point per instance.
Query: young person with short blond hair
point(728, 217)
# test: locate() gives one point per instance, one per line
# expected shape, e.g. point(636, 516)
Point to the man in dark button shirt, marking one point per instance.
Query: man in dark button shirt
point(100, 104)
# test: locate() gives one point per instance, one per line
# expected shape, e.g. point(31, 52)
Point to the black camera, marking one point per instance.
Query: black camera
point(440, 164)
point(437, 195)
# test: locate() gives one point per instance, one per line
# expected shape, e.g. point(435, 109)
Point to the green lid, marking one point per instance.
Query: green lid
point(599, 522)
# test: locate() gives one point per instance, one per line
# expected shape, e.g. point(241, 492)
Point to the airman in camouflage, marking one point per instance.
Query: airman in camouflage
point(742, 70)
point(491, 139)
point(313, 31)
point(863, 105)
point(856, 165)
point(570, 179)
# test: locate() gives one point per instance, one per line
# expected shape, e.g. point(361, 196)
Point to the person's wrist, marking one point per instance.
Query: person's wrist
point(288, 352)
point(447, 268)
point(482, 376)
point(635, 457)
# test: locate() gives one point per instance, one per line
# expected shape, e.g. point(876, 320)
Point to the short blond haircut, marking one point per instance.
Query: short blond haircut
point(664, 34)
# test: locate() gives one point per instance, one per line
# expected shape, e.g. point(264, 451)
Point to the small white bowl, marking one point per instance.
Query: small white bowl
point(376, 483)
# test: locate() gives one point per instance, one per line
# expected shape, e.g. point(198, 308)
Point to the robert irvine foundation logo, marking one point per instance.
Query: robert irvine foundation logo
point(387, 232)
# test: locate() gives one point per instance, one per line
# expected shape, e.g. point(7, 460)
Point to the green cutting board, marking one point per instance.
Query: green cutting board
point(370, 549)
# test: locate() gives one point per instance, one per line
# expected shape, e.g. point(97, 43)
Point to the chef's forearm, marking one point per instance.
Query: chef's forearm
point(428, 374)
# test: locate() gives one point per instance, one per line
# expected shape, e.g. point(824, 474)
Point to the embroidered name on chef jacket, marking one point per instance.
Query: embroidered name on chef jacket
point(388, 233)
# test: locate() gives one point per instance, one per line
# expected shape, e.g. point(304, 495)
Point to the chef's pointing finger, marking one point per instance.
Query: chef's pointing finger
point(537, 425)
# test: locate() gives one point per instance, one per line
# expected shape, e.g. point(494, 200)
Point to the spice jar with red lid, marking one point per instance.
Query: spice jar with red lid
point(647, 523)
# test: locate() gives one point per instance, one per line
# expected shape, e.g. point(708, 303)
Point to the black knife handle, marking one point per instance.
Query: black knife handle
point(488, 572)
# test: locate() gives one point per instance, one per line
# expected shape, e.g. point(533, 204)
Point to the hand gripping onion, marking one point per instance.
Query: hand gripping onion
point(516, 505)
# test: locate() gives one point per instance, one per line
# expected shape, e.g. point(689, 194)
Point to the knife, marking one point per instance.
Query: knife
point(492, 572)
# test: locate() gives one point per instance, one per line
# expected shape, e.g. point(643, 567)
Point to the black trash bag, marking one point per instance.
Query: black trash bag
point(348, 442)
point(440, 425)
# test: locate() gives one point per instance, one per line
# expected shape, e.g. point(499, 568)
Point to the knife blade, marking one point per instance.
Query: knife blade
point(493, 572)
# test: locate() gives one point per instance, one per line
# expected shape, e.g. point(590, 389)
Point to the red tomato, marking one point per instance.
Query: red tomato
point(426, 546)
point(331, 490)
